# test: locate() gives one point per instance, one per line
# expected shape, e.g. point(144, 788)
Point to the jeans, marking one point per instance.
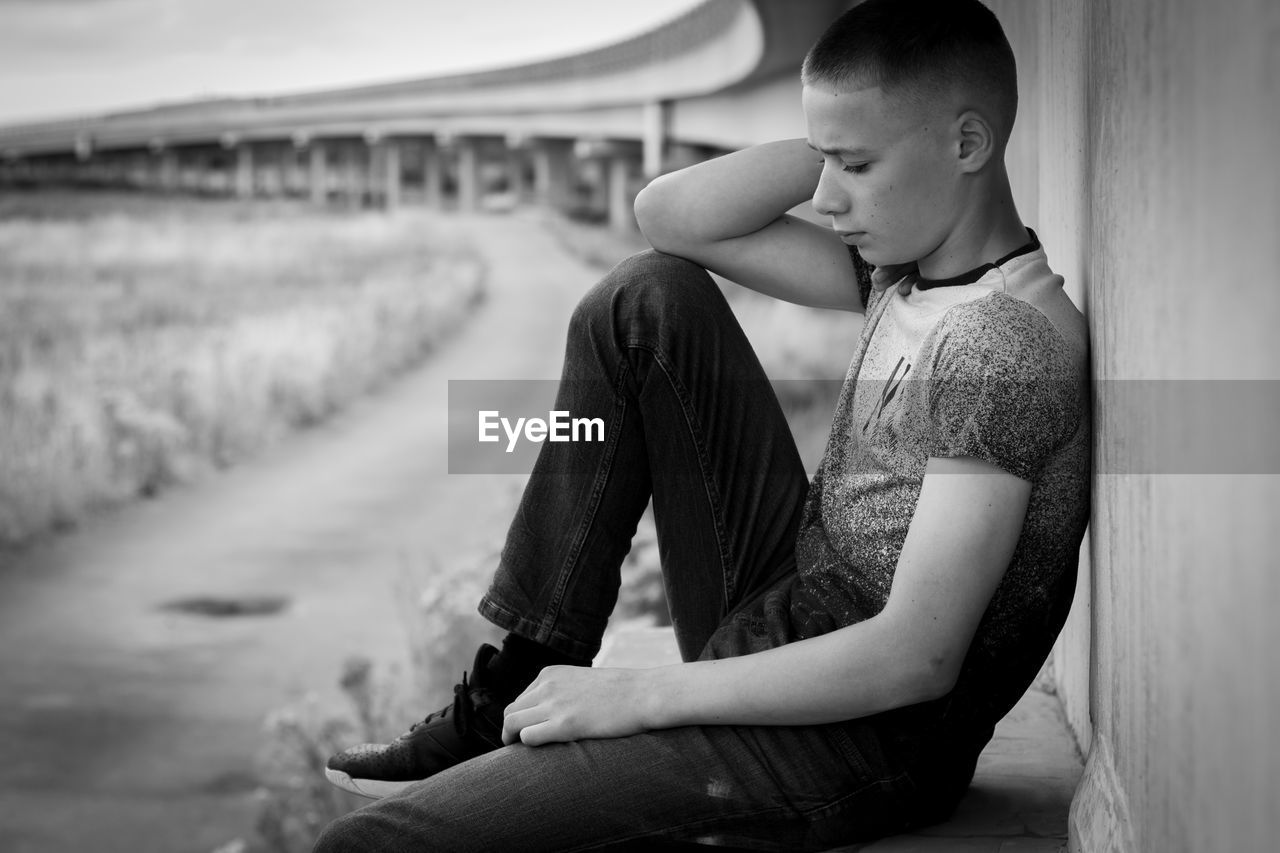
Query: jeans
point(692, 422)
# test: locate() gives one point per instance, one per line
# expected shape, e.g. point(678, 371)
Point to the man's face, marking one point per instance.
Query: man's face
point(887, 181)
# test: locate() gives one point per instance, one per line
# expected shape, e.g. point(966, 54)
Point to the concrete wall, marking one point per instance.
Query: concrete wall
point(1156, 192)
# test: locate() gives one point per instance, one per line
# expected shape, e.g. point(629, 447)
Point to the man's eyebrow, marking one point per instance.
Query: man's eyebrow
point(856, 151)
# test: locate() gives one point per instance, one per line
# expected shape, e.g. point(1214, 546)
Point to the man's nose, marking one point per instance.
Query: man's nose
point(828, 198)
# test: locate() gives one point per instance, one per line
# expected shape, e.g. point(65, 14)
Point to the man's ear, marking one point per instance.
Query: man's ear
point(976, 141)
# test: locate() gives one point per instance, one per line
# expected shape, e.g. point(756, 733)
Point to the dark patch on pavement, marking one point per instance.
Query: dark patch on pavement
point(223, 607)
point(232, 782)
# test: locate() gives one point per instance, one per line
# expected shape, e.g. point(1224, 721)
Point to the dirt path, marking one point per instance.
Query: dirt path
point(127, 727)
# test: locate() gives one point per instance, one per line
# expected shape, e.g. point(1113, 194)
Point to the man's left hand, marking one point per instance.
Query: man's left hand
point(567, 703)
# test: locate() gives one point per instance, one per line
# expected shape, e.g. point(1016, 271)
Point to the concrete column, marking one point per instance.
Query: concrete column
point(317, 172)
point(432, 175)
point(515, 174)
point(468, 165)
point(621, 168)
point(169, 174)
point(189, 172)
point(291, 170)
point(592, 188)
point(355, 172)
point(656, 119)
point(391, 174)
point(244, 171)
point(140, 170)
point(271, 176)
point(553, 172)
point(116, 170)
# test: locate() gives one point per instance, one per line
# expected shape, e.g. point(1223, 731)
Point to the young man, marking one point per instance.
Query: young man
point(850, 643)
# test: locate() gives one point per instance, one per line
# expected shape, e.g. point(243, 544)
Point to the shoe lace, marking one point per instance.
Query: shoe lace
point(462, 709)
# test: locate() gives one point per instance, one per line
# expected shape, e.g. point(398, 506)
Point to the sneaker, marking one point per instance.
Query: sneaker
point(471, 726)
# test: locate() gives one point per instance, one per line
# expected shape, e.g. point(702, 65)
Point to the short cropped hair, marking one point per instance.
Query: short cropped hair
point(920, 49)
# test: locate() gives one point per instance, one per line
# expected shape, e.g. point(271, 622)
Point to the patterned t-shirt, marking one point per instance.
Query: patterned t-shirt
point(991, 365)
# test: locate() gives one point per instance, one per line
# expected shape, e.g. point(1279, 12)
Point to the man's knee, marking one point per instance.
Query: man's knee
point(347, 834)
point(642, 289)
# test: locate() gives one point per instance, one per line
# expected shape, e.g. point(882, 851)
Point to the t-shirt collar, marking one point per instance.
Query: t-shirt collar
point(922, 283)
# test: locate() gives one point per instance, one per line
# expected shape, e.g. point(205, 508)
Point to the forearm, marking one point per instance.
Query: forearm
point(729, 196)
point(859, 670)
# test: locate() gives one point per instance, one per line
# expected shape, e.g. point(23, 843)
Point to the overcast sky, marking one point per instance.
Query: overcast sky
point(71, 57)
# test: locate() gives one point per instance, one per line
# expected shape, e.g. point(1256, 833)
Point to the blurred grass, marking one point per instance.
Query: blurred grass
point(144, 341)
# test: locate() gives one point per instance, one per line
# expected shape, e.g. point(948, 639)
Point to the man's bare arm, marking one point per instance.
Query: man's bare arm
point(961, 539)
point(729, 215)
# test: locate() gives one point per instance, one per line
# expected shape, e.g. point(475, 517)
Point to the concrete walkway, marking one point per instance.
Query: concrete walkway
point(125, 726)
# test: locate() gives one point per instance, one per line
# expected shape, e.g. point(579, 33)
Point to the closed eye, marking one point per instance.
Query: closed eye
point(855, 168)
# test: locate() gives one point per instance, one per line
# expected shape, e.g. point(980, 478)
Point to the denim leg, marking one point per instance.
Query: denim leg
point(692, 421)
point(766, 787)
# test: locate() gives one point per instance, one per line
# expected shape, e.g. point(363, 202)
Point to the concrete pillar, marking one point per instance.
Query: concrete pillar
point(432, 174)
point(291, 170)
point(317, 172)
point(389, 161)
point(169, 176)
point(244, 170)
point(355, 173)
point(515, 167)
point(140, 170)
point(271, 175)
point(621, 168)
point(656, 119)
point(553, 172)
point(468, 164)
point(188, 179)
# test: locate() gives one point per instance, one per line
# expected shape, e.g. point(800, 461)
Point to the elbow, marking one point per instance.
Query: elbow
point(655, 211)
point(935, 678)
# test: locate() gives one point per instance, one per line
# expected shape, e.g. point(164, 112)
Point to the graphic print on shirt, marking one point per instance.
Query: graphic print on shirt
point(889, 391)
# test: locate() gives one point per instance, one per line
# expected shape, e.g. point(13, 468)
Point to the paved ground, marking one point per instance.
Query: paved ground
point(128, 727)
point(1020, 795)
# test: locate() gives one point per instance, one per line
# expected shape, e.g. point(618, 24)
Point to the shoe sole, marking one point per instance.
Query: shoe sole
point(374, 789)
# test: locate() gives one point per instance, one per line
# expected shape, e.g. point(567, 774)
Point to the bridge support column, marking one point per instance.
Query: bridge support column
point(244, 171)
point(386, 161)
point(468, 173)
point(622, 196)
point(317, 172)
point(169, 167)
point(656, 120)
point(355, 171)
point(553, 172)
point(515, 174)
point(289, 178)
point(432, 174)
point(189, 171)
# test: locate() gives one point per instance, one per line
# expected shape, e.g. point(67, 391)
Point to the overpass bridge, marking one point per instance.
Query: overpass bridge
point(581, 132)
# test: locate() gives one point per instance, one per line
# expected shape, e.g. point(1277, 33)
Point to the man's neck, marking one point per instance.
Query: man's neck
point(993, 231)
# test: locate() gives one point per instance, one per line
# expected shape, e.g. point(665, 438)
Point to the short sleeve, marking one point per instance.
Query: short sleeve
point(1002, 387)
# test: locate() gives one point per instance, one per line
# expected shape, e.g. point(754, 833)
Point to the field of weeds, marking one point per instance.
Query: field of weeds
point(144, 341)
